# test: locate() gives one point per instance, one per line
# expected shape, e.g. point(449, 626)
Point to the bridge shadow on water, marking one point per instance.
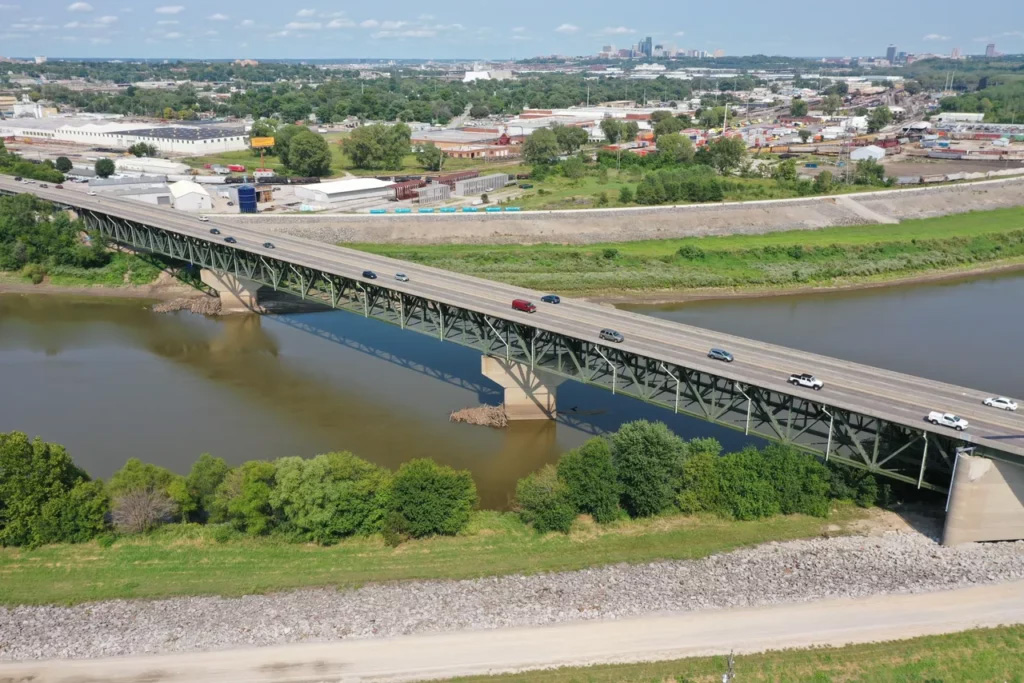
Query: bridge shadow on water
point(583, 408)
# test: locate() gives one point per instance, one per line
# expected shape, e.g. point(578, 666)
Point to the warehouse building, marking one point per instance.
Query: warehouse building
point(873, 152)
point(148, 165)
point(190, 196)
point(340, 191)
point(487, 183)
point(97, 131)
point(431, 194)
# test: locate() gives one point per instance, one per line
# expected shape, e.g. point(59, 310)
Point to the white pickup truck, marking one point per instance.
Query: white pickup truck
point(804, 379)
point(947, 420)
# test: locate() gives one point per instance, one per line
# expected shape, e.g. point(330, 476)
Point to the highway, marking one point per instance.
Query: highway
point(892, 396)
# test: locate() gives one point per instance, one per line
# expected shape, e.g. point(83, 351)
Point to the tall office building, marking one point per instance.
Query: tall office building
point(990, 50)
point(890, 54)
point(647, 47)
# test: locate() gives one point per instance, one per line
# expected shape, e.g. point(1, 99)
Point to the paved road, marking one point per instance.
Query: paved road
point(892, 396)
point(652, 638)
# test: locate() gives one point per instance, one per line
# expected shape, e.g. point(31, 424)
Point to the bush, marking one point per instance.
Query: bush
point(610, 253)
point(851, 483)
point(625, 195)
point(36, 272)
point(801, 482)
point(331, 496)
point(746, 493)
point(201, 484)
point(591, 483)
point(139, 476)
point(243, 498)
point(428, 499)
point(75, 516)
point(542, 500)
point(649, 461)
point(140, 510)
point(700, 483)
point(691, 253)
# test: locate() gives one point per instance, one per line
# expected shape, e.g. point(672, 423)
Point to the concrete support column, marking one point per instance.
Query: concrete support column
point(986, 502)
point(529, 394)
point(237, 295)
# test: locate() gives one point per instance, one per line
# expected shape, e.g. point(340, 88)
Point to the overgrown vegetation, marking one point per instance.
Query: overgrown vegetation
point(13, 164)
point(781, 259)
point(980, 655)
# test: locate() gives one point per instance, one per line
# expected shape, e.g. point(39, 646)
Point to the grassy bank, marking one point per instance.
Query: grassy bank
point(995, 654)
point(123, 270)
point(827, 257)
point(194, 560)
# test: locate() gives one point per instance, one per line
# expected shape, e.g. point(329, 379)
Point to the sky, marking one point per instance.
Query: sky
point(318, 29)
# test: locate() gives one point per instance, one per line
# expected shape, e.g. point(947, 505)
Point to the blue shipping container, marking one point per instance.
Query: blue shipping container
point(378, 210)
point(247, 199)
point(469, 209)
point(493, 209)
point(447, 209)
point(427, 210)
point(403, 210)
point(511, 208)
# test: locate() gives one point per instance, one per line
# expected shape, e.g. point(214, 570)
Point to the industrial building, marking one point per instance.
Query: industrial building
point(487, 183)
point(97, 131)
point(149, 165)
point(190, 196)
point(873, 152)
point(431, 194)
point(350, 189)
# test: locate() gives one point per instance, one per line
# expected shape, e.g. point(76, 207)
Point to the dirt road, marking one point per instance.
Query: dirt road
point(665, 636)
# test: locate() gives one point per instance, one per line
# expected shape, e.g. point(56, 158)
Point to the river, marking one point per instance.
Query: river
point(111, 380)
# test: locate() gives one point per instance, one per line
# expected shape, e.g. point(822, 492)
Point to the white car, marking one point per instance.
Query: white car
point(91, 193)
point(203, 218)
point(947, 420)
point(806, 380)
point(1001, 402)
point(401, 277)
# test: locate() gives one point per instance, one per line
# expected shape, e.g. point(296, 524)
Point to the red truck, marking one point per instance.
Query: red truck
point(237, 168)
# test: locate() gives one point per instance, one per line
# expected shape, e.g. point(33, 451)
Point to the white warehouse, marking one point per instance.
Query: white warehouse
point(350, 189)
point(193, 140)
point(190, 196)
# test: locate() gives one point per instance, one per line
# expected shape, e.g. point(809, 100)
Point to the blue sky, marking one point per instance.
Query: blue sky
point(525, 28)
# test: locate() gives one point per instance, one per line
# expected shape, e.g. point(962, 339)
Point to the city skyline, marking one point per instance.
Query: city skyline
point(318, 30)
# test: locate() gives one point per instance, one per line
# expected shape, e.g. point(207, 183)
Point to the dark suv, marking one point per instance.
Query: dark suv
point(369, 275)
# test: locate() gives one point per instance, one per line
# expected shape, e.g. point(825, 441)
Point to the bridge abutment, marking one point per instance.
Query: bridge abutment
point(237, 295)
point(529, 394)
point(986, 501)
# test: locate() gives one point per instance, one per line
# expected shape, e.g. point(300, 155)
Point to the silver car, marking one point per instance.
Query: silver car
point(1001, 402)
point(612, 336)
point(401, 277)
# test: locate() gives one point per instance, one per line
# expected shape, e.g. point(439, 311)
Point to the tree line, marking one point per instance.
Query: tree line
point(641, 470)
point(13, 164)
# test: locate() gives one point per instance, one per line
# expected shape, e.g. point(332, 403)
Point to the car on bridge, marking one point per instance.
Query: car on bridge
point(369, 275)
point(268, 245)
point(524, 305)
point(204, 218)
point(551, 299)
point(720, 354)
point(948, 420)
point(612, 336)
point(230, 240)
point(401, 277)
point(214, 231)
point(806, 380)
point(1001, 402)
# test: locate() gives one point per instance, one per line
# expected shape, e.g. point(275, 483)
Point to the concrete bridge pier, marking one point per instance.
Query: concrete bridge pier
point(986, 501)
point(237, 295)
point(529, 394)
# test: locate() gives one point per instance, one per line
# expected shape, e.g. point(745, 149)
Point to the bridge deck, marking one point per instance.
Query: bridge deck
point(887, 395)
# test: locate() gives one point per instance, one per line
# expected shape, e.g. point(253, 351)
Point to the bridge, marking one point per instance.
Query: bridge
point(864, 417)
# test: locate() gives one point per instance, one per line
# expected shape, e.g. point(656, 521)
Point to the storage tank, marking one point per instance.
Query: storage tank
point(247, 199)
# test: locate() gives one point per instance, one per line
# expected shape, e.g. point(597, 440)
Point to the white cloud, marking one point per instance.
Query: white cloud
point(247, 23)
point(306, 13)
point(370, 23)
point(341, 23)
point(1013, 34)
point(519, 29)
point(303, 26)
point(680, 33)
point(935, 36)
point(408, 33)
point(127, 10)
point(99, 41)
point(72, 24)
point(211, 33)
point(172, 35)
point(169, 9)
point(393, 25)
point(218, 17)
point(521, 38)
point(617, 30)
point(567, 28)
point(427, 17)
point(167, 22)
point(3, 7)
point(33, 27)
point(278, 34)
point(79, 7)
point(106, 20)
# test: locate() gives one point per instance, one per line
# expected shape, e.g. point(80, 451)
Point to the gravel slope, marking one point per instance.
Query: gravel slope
point(775, 573)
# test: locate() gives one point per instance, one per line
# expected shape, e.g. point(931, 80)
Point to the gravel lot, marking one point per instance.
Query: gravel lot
point(775, 573)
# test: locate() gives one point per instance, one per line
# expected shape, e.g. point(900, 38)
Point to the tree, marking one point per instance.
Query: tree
point(104, 168)
point(832, 104)
point(798, 107)
point(63, 164)
point(243, 498)
point(429, 499)
point(879, 118)
point(541, 147)
point(625, 195)
point(140, 510)
point(430, 157)
point(823, 183)
point(612, 129)
point(912, 87)
point(309, 155)
point(378, 146)
point(869, 172)
point(630, 129)
point(648, 460)
point(542, 500)
point(139, 476)
point(785, 170)
point(676, 148)
point(44, 496)
point(201, 484)
point(480, 111)
point(142, 149)
point(723, 154)
point(804, 134)
point(659, 115)
point(570, 138)
point(574, 168)
point(590, 480)
point(263, 128)
point(667, 127)
point(282, 140)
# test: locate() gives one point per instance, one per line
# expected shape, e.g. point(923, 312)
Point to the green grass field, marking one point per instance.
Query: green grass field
point(189, 560)
point(123, 270)
point(826, 257)
point(980, 656)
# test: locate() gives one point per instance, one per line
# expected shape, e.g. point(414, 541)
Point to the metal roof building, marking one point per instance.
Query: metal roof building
point(350, 189)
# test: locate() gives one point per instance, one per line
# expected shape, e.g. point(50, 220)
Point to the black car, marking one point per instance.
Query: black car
point(551, 299)
point(17, 178)
point(369, 275)
point(214, 231)
point(268, 245)
point(43, 185)
point(230, 240)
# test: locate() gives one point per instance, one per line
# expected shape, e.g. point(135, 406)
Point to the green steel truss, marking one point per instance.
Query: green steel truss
point(911, 455)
